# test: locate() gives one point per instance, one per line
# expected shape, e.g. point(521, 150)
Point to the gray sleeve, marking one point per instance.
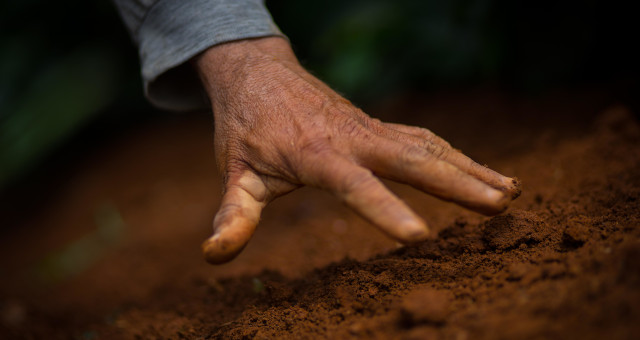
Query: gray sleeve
point(170, 32)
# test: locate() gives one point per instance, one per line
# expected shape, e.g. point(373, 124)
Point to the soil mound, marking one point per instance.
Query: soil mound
point(563, 262)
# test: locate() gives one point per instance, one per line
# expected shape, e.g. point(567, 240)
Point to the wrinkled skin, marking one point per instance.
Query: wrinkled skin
point(278, 128)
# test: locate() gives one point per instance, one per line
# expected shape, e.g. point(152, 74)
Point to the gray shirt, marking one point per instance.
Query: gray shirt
point(170, 32)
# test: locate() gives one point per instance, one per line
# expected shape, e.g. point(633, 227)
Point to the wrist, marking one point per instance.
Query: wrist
point(221, 65)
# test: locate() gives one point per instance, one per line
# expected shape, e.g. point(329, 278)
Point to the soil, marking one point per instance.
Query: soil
point(110, 247)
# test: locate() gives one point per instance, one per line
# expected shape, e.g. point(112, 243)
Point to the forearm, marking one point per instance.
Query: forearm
point(169, 33)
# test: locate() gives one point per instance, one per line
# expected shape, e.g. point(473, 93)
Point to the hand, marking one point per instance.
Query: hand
point(278, 128)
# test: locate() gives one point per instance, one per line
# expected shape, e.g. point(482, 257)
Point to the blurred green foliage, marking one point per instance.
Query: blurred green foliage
point(65, 63)
point(368, 48)
point(63, 96)
point(365, 48)
point(80, 254)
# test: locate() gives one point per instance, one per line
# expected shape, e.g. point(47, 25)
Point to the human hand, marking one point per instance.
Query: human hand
point(278, 128)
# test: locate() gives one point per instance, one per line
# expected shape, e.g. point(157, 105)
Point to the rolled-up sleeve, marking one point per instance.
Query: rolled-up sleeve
point(170, 32)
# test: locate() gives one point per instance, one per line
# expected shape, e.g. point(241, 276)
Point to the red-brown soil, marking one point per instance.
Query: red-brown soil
point(113, 249)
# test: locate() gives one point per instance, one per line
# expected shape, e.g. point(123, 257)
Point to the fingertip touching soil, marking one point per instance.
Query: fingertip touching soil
point(562, 262)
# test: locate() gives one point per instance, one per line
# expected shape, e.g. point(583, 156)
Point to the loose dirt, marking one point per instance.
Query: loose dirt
point(113, 252)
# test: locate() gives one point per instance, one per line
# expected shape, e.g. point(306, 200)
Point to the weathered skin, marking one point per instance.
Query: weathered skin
point(277, 128)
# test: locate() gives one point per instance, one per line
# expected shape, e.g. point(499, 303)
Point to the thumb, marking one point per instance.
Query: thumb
point(236, 220)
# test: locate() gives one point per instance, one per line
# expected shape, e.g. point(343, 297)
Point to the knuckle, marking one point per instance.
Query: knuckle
point(433, 138)
point(424, 133)
point(343, 106)
point(436, 150)
point(412, 155)
point(351, 128)
point(365, 118)
point(443, 142)
point(374, 125)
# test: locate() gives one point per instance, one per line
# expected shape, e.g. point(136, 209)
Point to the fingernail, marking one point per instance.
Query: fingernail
point(499, 201)
point(494, 195)
point(517, 188)
point(217, 251)
point(414, 231)
point(214, 241)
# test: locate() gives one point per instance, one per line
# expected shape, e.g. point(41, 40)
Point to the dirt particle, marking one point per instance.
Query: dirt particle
point(356, 328)
point(574, 235)
point(423, 332)
point(517, 271)
point(553, 270)
point(426, 305)
point(538, 199)
point(629, 263)
point(509, 231)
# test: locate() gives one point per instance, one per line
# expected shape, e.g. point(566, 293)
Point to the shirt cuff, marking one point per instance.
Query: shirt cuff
point(174, 31)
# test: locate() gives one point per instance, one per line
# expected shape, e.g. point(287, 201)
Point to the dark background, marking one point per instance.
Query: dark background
point(69, 75)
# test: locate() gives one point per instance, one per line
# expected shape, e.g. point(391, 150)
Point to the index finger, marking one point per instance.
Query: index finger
point(443, 150)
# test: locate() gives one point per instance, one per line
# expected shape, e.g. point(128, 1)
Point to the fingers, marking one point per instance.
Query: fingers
point(236, 220)
point(420, 133)
point(441, 149)
point(419, 168)
point(365, 194)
